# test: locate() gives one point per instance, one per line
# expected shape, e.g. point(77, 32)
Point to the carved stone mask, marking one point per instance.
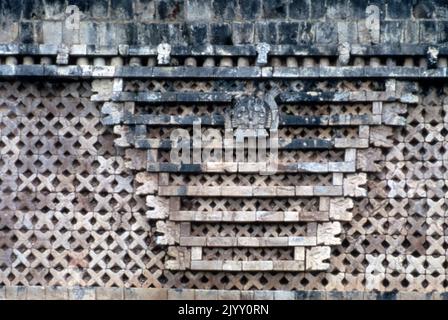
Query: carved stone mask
point(251, 113)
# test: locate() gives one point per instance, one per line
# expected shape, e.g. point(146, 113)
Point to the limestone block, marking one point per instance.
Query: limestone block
point(221, 166)
point(258, 265)
point(101, 71)
point(181, 294)
point(343, 53)
point(327, 233)
point(284, 295)
point(170, 231)
point(368, 160)
point(381, 137)
point(144, 293)
point(202, 294)
point(124, 133)
point(263, 295)
point(312, 167)
point(315, 258)
point(112, 112)
point(324, 203)
point(341, 166)
point(35, 293)
point(262, 53)
point(304, 191)
point(206, 265)
point(193, 241)
point(377, 107)
point(136, 159)
point(236, 191)
point(352, 185)
point(291, 216)
point(339, 209)
point(327, 191)
point(229, 265)
point(81, 293)
point(243, 216)
point(63, 55)
point(196, 253)
point(221, 241)
point(264, 191)
point(208, 216)
point(302, 241)
point(299, 253)
point(179, 258)
point(149, 182)
point(283, 191)
point(373, 23)
point(338, 178)
point(248, 242)
point(391, 114)
point(269, 216)
point(56, 293)
point(274, 241)
point(163, 53)
point(52, 32)
point(16, 292)
point(314, 216)
point(103, 87)
point(409, 98)
point(112, 293)
point(289, 265)
point(158, 207)
point(351, 143)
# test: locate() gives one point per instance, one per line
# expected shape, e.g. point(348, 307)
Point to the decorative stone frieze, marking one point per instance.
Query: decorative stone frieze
point(146, 148)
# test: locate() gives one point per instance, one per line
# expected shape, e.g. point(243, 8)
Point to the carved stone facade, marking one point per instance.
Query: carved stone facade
point(237, 169)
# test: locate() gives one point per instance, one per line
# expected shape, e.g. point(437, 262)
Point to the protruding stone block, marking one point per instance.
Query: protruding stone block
point(327, 233)
point(339, 209)
point(316, 256)
point(158, 207)
point(352, 185)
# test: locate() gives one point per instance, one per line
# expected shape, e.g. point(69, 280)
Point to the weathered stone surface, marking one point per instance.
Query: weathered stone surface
point(353, 185)
point(327, 233)
point(316, 257)
point(368, 160)
point(339, 209)
point(86, 116)
point(373, 23)
point(145, 294)
point(381, 137)
point(149, 184)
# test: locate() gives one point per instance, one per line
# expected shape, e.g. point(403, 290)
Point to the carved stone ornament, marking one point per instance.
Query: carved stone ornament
point(373, 23)
point(262, 53)
point(163, 53)
point(253, 112)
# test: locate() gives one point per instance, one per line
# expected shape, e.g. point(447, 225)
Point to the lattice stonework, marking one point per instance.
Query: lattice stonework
point(235, 213)
point(92, 193)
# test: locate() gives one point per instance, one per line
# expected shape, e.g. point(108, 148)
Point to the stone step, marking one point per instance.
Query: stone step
point(253, 167)
point(251, 191)
point(218, 120)
point(287, 144)
point(249, 216)
point(253, 242)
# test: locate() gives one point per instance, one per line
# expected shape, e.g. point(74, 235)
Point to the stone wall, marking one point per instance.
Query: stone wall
point(194, 22)
point(92, 205)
